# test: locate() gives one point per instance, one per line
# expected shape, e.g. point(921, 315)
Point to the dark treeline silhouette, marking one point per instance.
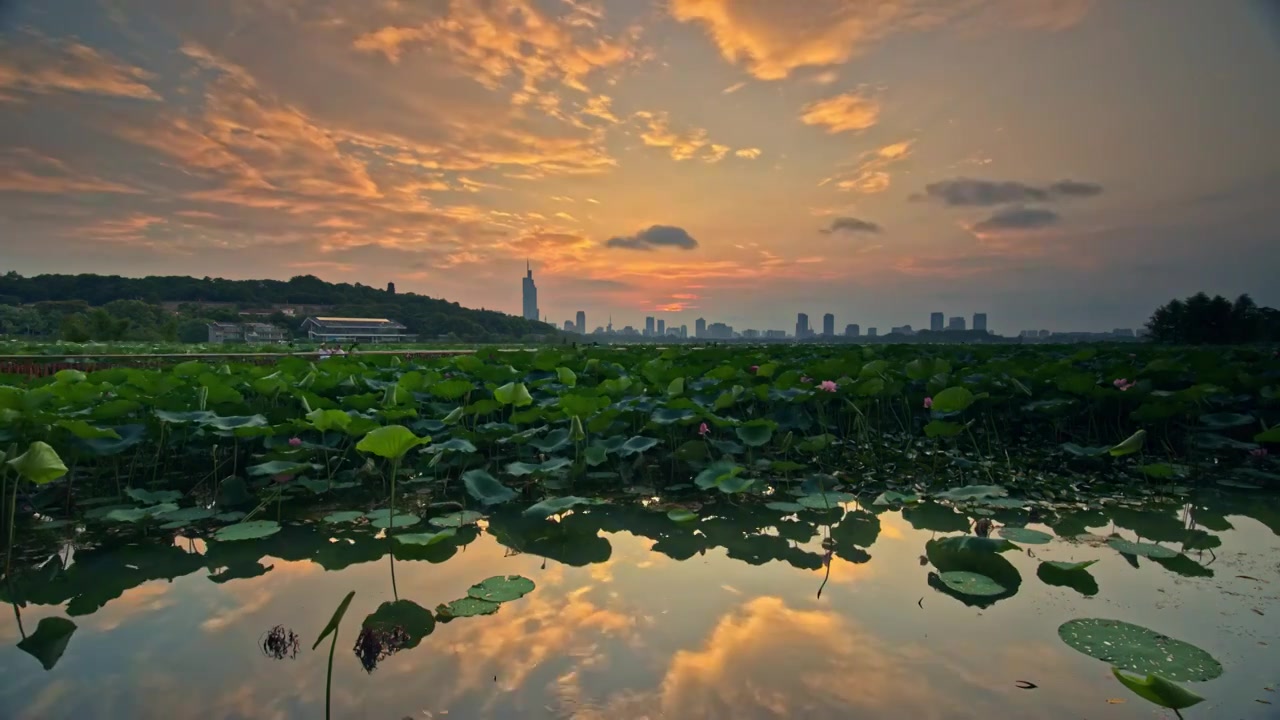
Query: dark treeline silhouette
point(110, 307)
point(1204, 320)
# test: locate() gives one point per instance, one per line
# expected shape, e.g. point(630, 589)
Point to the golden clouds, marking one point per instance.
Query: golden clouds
point(842, 113)
point(33, 63)
point(774, 39)
point(869, 173)
point(656, 131)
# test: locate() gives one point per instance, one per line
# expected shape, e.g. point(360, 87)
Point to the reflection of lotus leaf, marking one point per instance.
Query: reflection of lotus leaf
point(1025, 535)
point(467, 607)
point(251, 530)
point(416, 621)
point(971, 583)
point(426, 538)
point(1135, 648)
point(500, 588)
point(823, 501)
point(935, 516)
point(972, 492)
point(49, 640)
point(457, 519)
point(1072, 575)
point(1142, 549)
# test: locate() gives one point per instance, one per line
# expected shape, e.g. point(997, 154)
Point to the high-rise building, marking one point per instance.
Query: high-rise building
point(582, 323)
point(872, 332)
point(955, 323)
point(684, 331)
point(980, 321)
point(700, 328)
point(802, 325)
point(936, 321)
point(852, 330)
point(569, 326)
point(648, 326)
point(662, 327)
point(828, 325)
point(530, 294)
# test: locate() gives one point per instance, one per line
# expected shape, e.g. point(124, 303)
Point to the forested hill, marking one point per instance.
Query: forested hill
point(198, 300)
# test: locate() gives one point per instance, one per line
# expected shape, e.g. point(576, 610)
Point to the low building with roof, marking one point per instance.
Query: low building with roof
point(364, 330)
point(251, 333)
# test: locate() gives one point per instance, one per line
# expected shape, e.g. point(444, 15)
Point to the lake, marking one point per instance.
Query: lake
point(635, 616)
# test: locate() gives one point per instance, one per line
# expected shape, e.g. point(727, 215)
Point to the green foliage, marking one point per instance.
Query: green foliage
point(1138, 649)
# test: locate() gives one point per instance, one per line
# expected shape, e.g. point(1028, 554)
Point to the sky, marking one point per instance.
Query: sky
point(1061, 164)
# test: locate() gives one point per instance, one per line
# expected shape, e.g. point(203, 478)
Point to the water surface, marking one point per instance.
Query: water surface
point(619, 628)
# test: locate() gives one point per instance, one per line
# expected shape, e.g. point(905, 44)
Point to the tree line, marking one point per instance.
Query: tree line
point(79, 308)
point(1204, 320)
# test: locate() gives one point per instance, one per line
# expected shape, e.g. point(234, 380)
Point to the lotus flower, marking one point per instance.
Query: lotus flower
point(703, 430)
point(1122, 384)
point(1258, 452)
point(928, 403)
point(753, 369)
point(295, 442)
point(827, 386)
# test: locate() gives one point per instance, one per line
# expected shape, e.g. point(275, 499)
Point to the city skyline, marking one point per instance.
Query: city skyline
point(1067, 164)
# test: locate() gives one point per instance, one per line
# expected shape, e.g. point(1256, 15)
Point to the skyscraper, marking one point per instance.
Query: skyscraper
point(700, 328)
point(582, 323)
point(530, 294)
point(936, 321)
point(662, 327)
point(955, 323)
point(980, 321)
point(828, 325)
point(852, 330)
point(648, 326)
point(802, 325)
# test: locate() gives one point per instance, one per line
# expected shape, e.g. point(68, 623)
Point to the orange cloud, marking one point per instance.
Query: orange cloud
point(748, 153)
point(773, 39)
point(33, 63)
point(656, 131)
point(842, 113)
point(23, 170)
point(869, 173)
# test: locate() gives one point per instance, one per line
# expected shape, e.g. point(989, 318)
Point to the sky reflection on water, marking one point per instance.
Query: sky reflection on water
point(642, 635)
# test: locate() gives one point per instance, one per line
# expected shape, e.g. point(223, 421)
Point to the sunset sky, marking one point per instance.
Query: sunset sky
point(1067, 164)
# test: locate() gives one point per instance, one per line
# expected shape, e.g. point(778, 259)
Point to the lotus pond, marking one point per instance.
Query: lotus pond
point(689, 533)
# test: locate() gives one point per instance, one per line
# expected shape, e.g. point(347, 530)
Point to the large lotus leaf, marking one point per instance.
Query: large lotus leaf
point(183, 516)
point(343, 516)
point(453, 445)
point(756, 433)
point(133, 515)
point(466, 607)
point(515, 394)
point(1159, 690)
point(85, 431)
point(1025, 535)
point(1080, 451)
point(484, 487)
point(972, 492)
point(49, 640)
point(405, 615)
point(953, 399)
point(936, 517)
point(1130, 445)
point(827, 500)
point(153, 497)
point(327, 420)
point(637, 444)
point(383, 519)
point(40, 463)
point(892, 497)
point(1138, 649)
point(457, 519)
point(278, 467)
point(501, 588)
point(128, 436)
point(682, 515)
point(555, 506)
point(390, 441)
point(251, 530)
point(1150, 550)
point(552, 441)
point(971, 583)
point(426, 538)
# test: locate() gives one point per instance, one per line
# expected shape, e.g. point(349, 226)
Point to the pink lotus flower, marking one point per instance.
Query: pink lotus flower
point(806, 379)
point(1258, 452)
point(1123, 384)
point(295, 442)
point(753, 369)
point(928, 403)
point(282, 478)
point(703, 430)
point(827, 386)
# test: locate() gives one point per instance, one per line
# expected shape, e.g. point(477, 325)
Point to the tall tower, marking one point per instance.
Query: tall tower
point(530, 294)
point(662, 327)
point(829, 325)
point(582, 322)
point(802, 325)
point(936, 322)
point(648, 326)
point(700, 328)
point(980, 321)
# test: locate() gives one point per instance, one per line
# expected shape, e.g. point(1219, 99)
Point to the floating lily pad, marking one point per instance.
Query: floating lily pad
point(973, 492)
point(1025, 535)
point(1159, 690)
point(892, 497)
point(681, 515)
point(457, 519)
point(501, 588)
point(823, 501)
point(343, 516)
point(555, 506)
point(1068, 566)
point(466, 607)
point(1138, 649)
point(971, 583)
point(786, 507)
point(383, 519)
point(230, 516)
point(1150, 550)
point(426, 538)
point(185, 516)
point(251, 530)
point(153, 497)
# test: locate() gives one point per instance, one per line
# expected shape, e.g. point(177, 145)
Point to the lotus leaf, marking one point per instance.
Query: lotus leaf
point(1138, 649)
point(457, 519)
point(971, 583)
point(501, 588)
point(1143, 549)
point(1025, 535)
point(467, 607)
point(250, 530)
point(426, 538)
point(485, 488)
point(383, 519)
point(1159, 690)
